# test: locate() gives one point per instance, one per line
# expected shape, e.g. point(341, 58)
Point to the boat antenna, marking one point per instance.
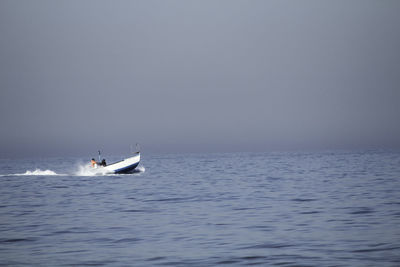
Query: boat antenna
point(99, 155)
point(137, 147)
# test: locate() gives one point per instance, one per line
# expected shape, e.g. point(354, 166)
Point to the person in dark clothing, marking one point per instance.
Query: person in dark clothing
point(103, 163)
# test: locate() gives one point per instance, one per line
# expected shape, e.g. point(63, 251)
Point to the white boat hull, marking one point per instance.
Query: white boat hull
point(124, 166)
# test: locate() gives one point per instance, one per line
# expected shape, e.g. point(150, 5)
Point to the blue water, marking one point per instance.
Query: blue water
point(284, 209)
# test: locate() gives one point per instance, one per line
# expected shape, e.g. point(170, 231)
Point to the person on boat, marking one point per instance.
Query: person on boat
point(103, 163)
point(94, 163)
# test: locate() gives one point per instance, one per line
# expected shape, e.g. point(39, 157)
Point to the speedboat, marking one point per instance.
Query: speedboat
point(127, 165)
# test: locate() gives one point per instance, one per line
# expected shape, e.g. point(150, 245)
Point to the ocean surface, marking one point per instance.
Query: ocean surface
point(329, 208)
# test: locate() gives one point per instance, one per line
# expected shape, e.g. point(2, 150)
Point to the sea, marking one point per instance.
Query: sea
point(324, 208)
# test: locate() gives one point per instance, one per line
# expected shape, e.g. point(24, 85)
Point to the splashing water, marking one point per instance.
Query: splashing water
point(80, 170)
point(87, 170)
point(38, 172)
point(140, 168)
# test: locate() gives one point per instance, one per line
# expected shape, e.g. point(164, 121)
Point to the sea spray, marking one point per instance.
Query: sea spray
point(80, 169)
point(88, 170)
point(38, 172)
point(140, 168)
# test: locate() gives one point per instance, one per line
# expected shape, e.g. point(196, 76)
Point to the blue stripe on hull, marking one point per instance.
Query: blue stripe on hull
point(127, 169)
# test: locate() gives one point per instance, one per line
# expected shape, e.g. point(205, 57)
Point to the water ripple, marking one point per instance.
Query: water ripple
point(267, 209)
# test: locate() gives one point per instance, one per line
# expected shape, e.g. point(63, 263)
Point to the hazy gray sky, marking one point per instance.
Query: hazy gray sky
point(229, 75)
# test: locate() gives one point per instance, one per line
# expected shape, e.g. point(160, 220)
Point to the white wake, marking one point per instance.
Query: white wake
point(87, 170)
point(38, 172)
point(79, 170)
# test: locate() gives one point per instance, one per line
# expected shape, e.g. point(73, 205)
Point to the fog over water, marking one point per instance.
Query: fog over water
point(77, 76)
